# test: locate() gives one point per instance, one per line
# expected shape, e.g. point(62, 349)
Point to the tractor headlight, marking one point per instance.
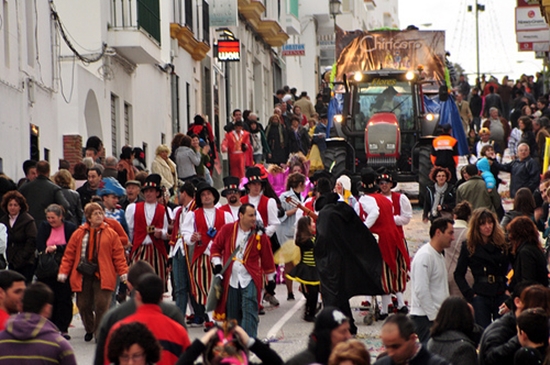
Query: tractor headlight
point(338, 118)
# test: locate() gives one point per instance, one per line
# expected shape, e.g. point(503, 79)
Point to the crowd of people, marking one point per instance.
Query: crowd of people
point(120, 236)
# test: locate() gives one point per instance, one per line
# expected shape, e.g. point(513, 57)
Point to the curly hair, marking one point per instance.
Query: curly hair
point(522, 230)
point(454, 314)
point(133, 333)
point(294, 180)
point(64, 179)
point(352, 350)
point(438, 169)
point(463, 210)
point(18, 197)
point(479, 217)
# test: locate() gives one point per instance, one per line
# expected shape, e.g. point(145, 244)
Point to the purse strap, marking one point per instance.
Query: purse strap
point(228, 262)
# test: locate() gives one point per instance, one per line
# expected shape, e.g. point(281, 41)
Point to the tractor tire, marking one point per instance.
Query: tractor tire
point(424, 168)
point(335, 159)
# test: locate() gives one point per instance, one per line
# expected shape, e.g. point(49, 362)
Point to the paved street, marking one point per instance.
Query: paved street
point(283, 326)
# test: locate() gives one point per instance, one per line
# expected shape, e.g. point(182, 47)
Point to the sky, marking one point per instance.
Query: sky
point(499, 54)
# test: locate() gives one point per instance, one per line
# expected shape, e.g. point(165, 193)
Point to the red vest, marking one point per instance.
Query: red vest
point(140, 227)
point(261, 208)
point(176, 230)
point(226, 208)
point(201, 226)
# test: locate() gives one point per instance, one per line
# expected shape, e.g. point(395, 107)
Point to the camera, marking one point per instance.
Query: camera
point(211, 232)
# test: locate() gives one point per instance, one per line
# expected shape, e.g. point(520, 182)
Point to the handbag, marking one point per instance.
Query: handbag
point(86, 267)
point(47, 266)
point(216, 286)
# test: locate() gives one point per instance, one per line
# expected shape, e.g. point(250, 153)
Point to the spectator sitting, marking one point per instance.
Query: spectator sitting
point(532, 327)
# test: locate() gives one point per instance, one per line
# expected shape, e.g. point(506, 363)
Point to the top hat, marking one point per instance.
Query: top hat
point(254, 174)
point(110, 185)
point(384, 175)
point(231, 183)
point(319, 174)
point(368, 180)
point(202, 186)
point(152, 181)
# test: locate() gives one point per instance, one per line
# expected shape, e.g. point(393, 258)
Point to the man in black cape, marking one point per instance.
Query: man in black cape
point(347, 256)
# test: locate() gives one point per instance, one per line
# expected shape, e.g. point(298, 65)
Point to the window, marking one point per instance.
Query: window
point(293, 8)
point(205, 23)
point(148, 16)
point(127, 123)
point(47, 154)
point(6, 27)
point(188, 103)
point(175, 90)
point(31, 28)
point(114, 123)
point(189, 14)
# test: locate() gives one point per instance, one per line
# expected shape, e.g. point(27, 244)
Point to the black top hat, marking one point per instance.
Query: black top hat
point(202, 186)
point(231, 183)
point(368, 180)
point(319, 174)
point(152, 181)
point(385, 175)
point(254, 174)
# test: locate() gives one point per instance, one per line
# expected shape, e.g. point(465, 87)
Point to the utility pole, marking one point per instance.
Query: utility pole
point(477, 9)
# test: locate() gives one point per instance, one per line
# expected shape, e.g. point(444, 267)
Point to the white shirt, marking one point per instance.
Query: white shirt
point(406, 210)
point(370, 207)
point(239, 274)
point(150, 209)
point(189, 226)
point(179, 243)
point(429, 286)
point(272, 212)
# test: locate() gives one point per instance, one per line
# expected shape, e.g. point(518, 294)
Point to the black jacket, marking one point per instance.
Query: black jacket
point(263, 351)
point(523, 174)
point(21, 240)
point(529, 264)
point(75, 212)
point(44, 231)
point(40, 193)
point(448, 204)
point(499, 342)
point(86, 193)
point(488, 261)
point(423, 357)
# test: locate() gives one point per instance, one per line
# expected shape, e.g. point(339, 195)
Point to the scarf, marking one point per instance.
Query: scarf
point(85, 241)
point(438, 198)
point(281, 134)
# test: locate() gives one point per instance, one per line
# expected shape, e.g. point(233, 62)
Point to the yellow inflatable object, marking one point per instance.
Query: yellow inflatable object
point(314, 156)
point(288, 252)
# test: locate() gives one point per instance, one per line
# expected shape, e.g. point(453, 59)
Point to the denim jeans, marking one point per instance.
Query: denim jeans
point(242, 305)
point(181, 281)
point(486, 308)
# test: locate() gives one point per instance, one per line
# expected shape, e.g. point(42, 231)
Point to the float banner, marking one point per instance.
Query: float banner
point(403, 50)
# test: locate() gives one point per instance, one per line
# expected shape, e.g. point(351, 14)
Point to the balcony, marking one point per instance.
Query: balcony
point(186, 40)
point(270, 30)
point(134, 30)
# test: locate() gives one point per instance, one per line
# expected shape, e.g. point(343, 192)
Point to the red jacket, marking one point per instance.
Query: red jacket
point(172, 336)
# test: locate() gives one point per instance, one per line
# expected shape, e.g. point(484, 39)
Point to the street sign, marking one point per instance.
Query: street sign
point(223, 13)
point(529, 18)
point(533, 36)
point(537, 47)
point(294, 50)
point(229, 50)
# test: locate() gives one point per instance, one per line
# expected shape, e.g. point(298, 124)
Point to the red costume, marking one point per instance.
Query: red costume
point(258, 260)
point(239, 158)
point(261, 208)
point(3, 319)
point(390, 242)
point(172, 336)
point(200, 268)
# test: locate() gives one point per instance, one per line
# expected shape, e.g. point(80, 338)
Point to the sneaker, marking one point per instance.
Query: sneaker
point(189, 319)
point(208, 325)
point(271, 299)
point(309, 318)
point(382, 316)
point(365, 304)
point(403, 310)
point(290, 296)
point(261, 312)
point(66, 336)
point(197, 322)
point(88, 337)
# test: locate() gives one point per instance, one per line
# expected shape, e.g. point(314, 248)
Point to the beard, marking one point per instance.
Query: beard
point(233, 199)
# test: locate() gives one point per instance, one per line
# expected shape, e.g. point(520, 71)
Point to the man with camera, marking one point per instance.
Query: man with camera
point(199, 229)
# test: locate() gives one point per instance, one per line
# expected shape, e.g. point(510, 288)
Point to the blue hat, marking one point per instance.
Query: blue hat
point(108, 186)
